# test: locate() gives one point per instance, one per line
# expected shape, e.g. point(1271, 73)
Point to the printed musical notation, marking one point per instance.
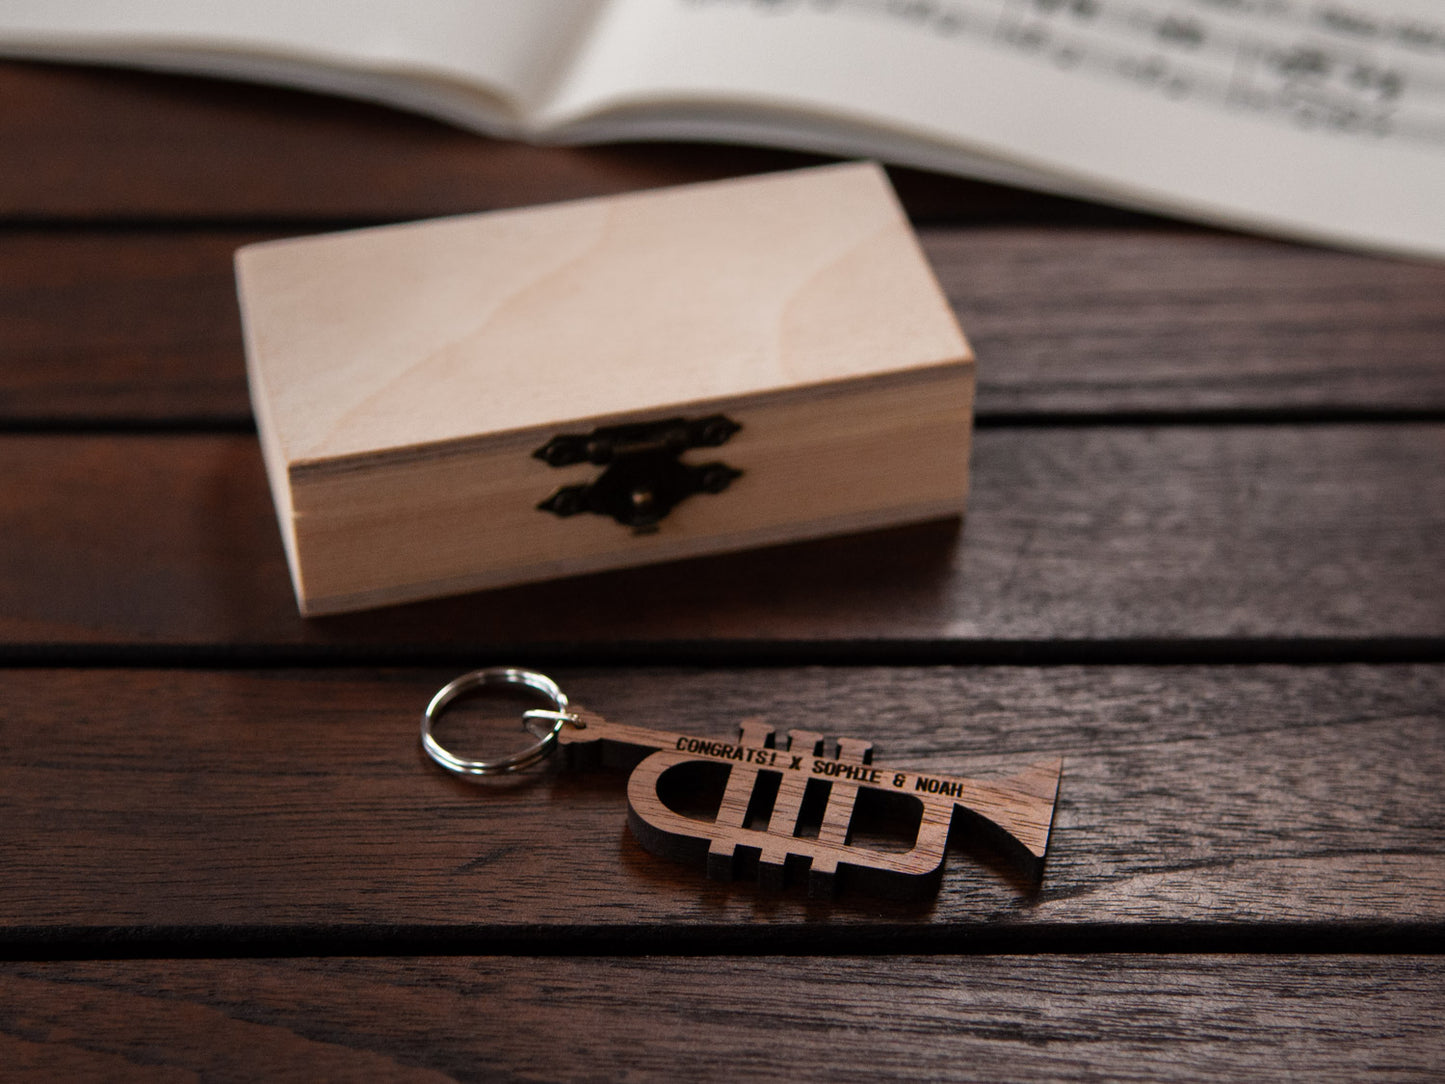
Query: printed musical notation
point(1326, 66)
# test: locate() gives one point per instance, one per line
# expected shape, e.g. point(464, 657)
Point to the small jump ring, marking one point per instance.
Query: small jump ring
point(499, 675)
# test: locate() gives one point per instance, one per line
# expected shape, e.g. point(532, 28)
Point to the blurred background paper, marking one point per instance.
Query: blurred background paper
point(1313, 120)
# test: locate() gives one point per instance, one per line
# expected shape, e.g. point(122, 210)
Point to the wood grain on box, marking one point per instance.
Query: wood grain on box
point(403, 376)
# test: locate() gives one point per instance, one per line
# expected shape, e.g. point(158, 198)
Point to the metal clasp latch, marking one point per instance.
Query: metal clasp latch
point(644, 477)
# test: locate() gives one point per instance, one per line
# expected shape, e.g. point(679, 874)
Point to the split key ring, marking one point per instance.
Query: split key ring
point(539, 750)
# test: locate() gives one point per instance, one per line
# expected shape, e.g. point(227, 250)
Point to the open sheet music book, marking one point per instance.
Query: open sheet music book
point(1315, 119)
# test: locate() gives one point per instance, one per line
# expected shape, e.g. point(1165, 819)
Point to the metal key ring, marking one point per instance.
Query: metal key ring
point(546, 741)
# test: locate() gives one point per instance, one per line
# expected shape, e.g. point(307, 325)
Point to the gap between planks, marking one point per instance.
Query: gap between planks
point(82, 943)
point(665, 655)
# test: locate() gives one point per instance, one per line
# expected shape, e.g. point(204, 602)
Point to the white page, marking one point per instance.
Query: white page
point(1310, 118)
point(438, 56)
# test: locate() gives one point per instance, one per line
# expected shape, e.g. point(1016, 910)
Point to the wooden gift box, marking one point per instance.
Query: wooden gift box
point(512, 396)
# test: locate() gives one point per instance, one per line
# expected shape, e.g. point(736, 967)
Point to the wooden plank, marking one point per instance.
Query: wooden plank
point(1023, 1018)
point(142, 326)
point(1072, 534)
point(1121, 320)
point(239, 810)
point(178, 147)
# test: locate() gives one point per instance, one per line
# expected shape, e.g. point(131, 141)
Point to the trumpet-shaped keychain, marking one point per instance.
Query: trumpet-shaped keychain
point(782, 803)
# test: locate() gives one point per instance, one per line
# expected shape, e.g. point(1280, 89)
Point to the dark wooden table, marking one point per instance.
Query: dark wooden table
point(1203, 562)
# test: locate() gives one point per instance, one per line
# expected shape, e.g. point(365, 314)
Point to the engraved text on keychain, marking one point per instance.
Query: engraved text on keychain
point(769, 783)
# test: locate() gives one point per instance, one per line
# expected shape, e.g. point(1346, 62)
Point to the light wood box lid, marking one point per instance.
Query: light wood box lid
point(383, 340)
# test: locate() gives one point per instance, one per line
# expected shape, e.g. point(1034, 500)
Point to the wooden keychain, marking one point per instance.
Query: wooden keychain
point(779, 804)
